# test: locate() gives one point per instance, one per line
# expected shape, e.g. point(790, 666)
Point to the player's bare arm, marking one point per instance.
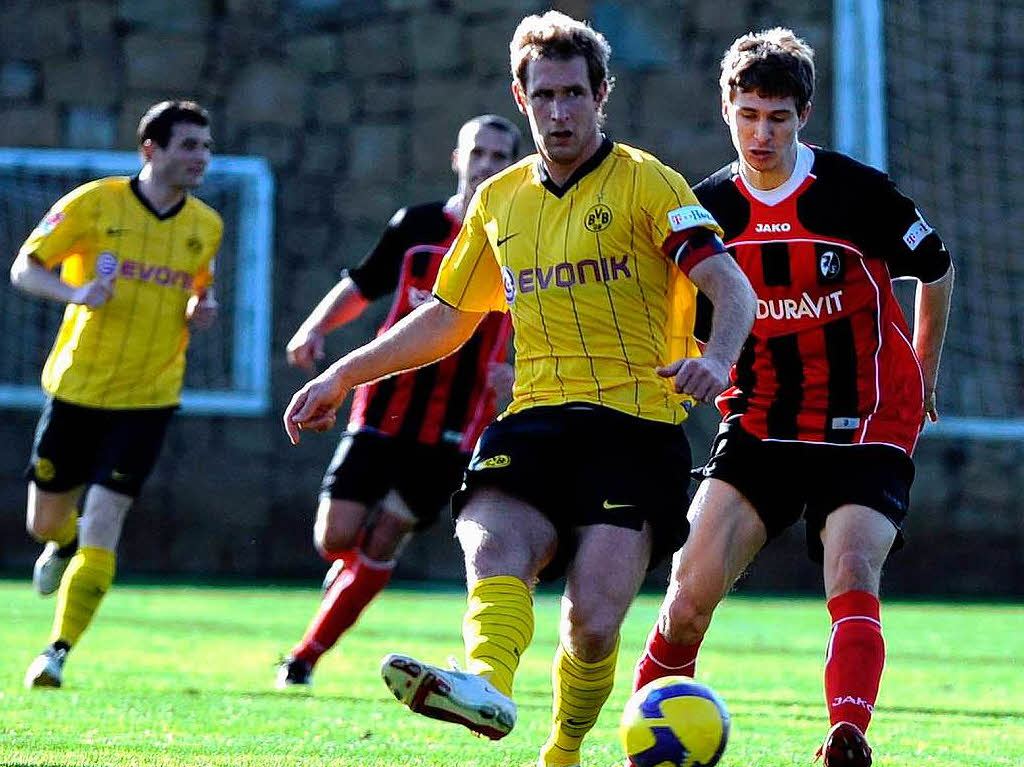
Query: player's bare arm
point(30, 276)
point(931, 311)
point(722, 281)
point(342, 304)
point(430, 333)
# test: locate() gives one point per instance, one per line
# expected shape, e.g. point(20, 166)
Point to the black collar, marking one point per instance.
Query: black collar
point(172, 211)
point(591, 163)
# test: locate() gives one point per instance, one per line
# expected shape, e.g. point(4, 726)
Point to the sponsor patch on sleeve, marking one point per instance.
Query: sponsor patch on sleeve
point(917, 232)
point(688, 217)
point(51, 222)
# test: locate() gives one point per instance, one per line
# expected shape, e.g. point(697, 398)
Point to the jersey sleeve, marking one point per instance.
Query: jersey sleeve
point(909, 245)
point(377, 274)
point(679, 225)
point(469, 277)
point(62, 230)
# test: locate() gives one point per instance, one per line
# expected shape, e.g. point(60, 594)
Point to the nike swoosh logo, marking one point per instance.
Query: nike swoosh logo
point(506, 238)
point(115, 232)
point(608, 505)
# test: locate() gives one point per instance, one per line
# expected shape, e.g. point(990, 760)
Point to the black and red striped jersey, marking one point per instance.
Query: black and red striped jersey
point(830, 358)
point(446, 402)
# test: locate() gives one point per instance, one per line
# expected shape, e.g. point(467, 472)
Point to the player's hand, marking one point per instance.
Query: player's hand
point(94, 294)
point(500, 378)
point(201, 310)
point(703, 378)
point(931, 409)
point(305, 349)
point(314, 407)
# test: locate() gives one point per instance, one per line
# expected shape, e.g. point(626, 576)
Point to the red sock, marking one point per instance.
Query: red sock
point(356, 586)
point(662, 658)
point(855, 657)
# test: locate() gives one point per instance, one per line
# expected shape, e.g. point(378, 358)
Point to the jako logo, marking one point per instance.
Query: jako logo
point(772, 228)
point(849, 699)
point(791, 309)
point(567, 274)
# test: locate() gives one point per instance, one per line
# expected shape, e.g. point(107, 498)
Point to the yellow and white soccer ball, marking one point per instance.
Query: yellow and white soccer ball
point(674, 722)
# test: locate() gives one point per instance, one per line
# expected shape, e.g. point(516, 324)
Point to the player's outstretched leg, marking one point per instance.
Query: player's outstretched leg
point(351, 591)
point(853, 670)
point(81, 589)
point(497, 629)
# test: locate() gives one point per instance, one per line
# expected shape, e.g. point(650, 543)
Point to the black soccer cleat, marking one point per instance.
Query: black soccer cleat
point(293, 672)
point(845, 746)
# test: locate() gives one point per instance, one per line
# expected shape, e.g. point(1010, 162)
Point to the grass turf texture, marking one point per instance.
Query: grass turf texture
point(183, 676)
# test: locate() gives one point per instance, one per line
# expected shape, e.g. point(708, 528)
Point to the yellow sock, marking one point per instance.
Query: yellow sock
point(497, 628)
point(86, 580)
point(580, 689)
point(68, 531)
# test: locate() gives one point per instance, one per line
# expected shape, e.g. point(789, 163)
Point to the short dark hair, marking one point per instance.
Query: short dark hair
point(774, 63)
point(498, 123)
point(159, 121)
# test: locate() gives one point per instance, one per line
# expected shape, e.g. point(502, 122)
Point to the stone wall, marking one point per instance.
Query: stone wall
point(355, 105)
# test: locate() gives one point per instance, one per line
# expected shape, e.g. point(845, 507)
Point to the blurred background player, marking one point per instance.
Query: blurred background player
point(594, 249)
point(829, 394)
point(408, 438)
point(136, 257)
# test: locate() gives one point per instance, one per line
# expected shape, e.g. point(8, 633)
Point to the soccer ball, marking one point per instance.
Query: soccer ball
point(674, 722)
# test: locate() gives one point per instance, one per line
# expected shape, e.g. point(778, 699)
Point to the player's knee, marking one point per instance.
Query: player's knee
point(590, 633)
point(330, 542)
point(484, 555)
point(854, 571)
point(385, 539)
point(335, 531)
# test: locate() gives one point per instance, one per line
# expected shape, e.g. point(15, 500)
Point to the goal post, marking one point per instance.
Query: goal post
point(928, 92)
point(228, 370)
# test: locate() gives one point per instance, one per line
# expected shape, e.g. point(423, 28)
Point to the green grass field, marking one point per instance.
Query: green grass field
point(183, 676)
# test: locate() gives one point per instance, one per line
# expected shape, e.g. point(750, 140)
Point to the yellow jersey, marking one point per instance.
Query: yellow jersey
point(587, 272)
point(129, 352)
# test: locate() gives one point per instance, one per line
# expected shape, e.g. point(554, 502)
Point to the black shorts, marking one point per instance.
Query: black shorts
point(785, 481)
point(368, 464)
point(76, 445)
point(584, 465)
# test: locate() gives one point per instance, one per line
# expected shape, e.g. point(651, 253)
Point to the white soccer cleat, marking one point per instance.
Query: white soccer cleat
point(49, 569)
point(47, 670)
point(449, 695)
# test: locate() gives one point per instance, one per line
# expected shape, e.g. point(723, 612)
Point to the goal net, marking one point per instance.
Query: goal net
point(953, 139)
point(228, 366)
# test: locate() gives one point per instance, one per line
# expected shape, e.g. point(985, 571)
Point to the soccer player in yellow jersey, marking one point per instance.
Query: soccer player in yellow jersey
point(597, 250)
point(136, 262)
